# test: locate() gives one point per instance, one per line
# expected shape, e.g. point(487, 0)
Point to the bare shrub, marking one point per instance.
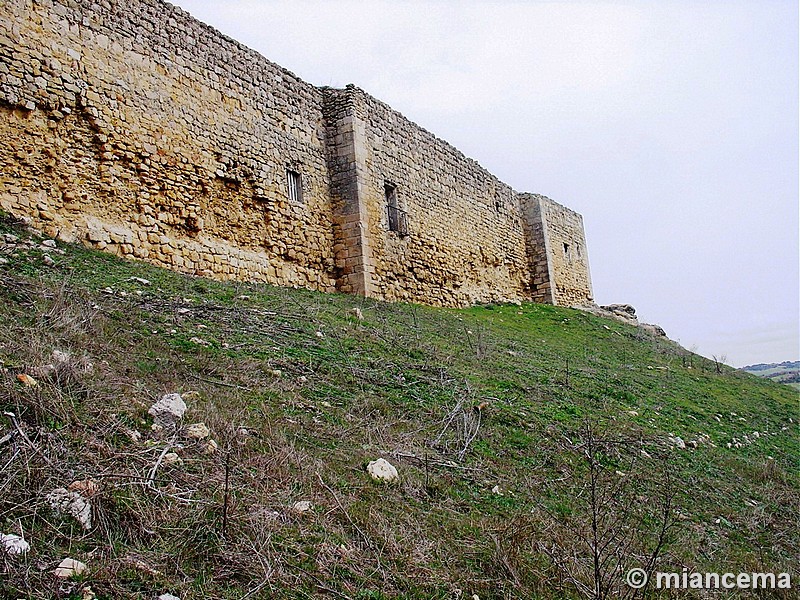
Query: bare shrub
point(617, 513)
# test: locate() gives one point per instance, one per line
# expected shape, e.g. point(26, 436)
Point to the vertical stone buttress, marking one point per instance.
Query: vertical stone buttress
point(556, 251)
point(537, 242)
point(346, 148)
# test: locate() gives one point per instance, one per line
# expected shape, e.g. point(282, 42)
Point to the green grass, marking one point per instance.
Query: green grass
point(460, 401)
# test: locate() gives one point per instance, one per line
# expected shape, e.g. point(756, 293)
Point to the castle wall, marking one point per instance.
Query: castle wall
point(559, 259)
point(136, 129)
point(465, 239)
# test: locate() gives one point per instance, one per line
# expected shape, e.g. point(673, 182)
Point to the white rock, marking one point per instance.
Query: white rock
point(356, 312)
point(14, 544)
point(302, 506)
point(140, 280)
point(168, 597)
point(170, 458)
point(209, 447)
point(60, 357)
point(320, 334)
point(497, 491)
point(72, 503)
point(49, 243)
point(167, 411)
point(69, 567)
point(382, 470)
point(197, 431)
point(678, 442)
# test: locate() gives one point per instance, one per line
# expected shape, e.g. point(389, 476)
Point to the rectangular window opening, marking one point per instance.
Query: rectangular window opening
point(567, 255)
point(295, 186)
point(398, 219)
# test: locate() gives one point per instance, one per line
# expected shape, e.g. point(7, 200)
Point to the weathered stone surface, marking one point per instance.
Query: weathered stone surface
point(72, 503)
point(147, 134)
point(69, 567)
point(13, 544)
point(168, 410)
point(626, 309)
point(302, 506)
point(197, 431)
point(382, 470)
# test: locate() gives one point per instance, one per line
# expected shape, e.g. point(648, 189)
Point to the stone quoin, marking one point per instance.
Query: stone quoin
point(136, 129)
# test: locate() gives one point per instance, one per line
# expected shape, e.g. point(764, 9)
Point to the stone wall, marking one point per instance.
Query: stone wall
point(465, 240)
point(135, 129)
point(560, 261)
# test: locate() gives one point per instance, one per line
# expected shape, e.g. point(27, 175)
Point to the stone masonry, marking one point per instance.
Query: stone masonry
point(136, 129)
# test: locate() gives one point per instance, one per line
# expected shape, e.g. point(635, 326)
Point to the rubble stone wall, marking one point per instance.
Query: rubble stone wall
point(133, 128)
point(465, 241)
point(141, 131)
point(561, 251)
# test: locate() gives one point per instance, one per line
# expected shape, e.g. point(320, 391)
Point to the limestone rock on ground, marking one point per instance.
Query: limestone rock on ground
point(168, 411)
point(302, 506)
point(69, 567)
point(382, 470)
point(197, 431)
point(622, 312)
point(72, 503)
point(13, 544)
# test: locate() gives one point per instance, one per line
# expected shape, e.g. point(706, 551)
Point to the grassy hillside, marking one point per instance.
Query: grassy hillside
point(542, 451)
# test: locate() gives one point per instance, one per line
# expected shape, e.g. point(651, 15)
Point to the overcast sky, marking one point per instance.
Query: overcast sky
point(671, 126)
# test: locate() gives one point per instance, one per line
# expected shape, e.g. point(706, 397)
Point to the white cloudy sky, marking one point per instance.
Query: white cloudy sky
point(672, 126)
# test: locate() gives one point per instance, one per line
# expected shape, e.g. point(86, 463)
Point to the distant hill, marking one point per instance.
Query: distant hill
point(786, 372)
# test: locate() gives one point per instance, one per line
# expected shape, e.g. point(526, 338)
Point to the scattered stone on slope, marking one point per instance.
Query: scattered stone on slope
point(652, 329)
point(621, 312)
point(382, 470)
point(72, 503)
point(27, 380)
point(677, 441)
point(302, 506)
point(622, 309)
point(168, 411)
point(208, 446)
point(87, 593)
point(356, 312)
point(69, 567)
point(168, 597)
point(13, 544)
point(171, 458)
point(197, 431)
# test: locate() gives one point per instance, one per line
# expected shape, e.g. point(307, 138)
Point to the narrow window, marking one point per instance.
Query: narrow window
point(295, 186)
point(567, 256)
point(398, 220)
